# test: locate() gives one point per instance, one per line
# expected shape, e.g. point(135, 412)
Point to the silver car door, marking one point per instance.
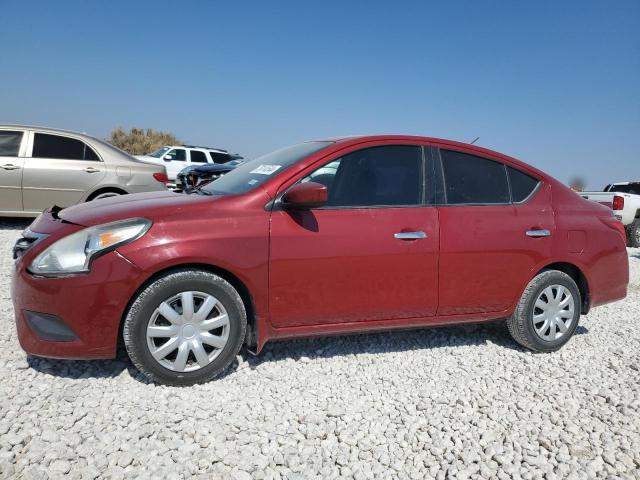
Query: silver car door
point(59, 171)
point(12, 152)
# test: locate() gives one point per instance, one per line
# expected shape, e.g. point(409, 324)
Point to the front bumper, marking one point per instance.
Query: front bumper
point(89, 305)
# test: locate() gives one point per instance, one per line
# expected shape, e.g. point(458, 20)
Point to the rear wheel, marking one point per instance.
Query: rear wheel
point(633, 233)
point(185, 328)
point(105, 194)
point(548, 312)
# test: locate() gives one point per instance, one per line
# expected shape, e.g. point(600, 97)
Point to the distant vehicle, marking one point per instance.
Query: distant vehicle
point(40, 167)
point(198, 175)
point(624, 199)
point(410, 232)
point(177, 157)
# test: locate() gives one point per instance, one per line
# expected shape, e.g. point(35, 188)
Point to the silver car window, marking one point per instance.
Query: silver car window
point(10, 143)
point(56, 146)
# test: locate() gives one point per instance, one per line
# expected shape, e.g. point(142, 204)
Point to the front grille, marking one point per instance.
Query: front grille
point(28, 240)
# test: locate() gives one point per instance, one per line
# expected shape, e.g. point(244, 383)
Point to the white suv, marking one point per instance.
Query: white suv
point(177, 157)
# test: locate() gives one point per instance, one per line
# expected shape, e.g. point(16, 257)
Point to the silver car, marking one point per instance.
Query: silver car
point(40, 167)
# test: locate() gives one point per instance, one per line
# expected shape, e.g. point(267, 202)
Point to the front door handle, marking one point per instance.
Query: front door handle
point(91, 170)
point(10, 166)
point(538, 233)
point(409, 235)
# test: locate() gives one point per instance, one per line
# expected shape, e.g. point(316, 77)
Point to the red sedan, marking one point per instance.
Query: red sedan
point(326, 237)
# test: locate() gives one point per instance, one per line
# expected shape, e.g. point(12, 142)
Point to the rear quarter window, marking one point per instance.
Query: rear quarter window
point(522, 185)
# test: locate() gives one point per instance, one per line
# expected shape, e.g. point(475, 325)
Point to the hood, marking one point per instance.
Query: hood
point(148, 205)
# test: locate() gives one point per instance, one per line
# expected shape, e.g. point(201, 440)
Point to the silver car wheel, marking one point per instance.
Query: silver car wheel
point(106, 195)
point(188, 331)
point(553, 312)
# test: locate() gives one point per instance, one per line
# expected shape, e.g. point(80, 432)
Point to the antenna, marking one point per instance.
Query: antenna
point(475, 140)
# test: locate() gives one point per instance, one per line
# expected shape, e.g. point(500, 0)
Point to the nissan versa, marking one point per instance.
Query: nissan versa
point(326, 237)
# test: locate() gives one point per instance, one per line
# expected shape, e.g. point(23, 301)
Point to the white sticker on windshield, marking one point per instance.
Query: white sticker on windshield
point(265, 169)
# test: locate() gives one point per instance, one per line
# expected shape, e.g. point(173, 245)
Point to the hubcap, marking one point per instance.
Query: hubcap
point(553, 312)
point(188, 331)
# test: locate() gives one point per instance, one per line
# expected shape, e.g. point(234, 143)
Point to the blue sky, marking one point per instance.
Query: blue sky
point(556, 84)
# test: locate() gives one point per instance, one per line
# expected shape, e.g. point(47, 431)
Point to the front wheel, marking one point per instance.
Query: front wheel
point(185, 328)
point(548, 312)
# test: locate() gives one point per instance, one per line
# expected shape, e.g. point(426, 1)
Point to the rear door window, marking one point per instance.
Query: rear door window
point(10, 143)
point(522, 185)
point(198, 157)
point(474, 180)
point(55, 146)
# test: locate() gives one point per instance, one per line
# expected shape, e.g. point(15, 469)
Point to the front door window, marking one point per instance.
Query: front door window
point(377, 176)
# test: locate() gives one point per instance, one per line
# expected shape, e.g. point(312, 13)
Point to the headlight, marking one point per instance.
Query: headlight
point(73, 254)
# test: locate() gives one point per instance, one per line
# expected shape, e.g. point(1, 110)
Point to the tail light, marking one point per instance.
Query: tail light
point(618, 202)
point(161, 177)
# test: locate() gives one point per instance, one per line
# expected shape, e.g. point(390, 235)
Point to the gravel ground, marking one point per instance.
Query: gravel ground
point(460, 402)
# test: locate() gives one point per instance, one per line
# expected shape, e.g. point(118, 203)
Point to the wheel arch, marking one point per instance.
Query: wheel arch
point(578, 276)
point(102, 189)
point(247, 299)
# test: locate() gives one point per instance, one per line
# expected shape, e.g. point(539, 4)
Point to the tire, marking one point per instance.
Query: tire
point(106, 194)
point(209, 350)
point(530, 332)
point(633, 233)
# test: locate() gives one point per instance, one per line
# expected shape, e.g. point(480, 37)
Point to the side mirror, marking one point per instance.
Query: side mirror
point(167, 158)
point(304, 196)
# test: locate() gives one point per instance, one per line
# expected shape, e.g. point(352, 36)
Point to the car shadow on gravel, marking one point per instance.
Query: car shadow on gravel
point(391, 342)
point(312, 348)
point(15, 223)
point(82, 369)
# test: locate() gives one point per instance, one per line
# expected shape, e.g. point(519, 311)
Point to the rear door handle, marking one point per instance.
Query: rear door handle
point(538, 233)
point(91, 170)
point(10, 166)
point(409, 235)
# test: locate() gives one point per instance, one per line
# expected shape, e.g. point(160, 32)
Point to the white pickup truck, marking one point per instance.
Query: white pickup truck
point(624, 199)
point(176, 157)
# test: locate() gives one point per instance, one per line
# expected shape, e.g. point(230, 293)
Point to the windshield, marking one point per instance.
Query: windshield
point(160, 152)
point(633, 188)
point(255, 172)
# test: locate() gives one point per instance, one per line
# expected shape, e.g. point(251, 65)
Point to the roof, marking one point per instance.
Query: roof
point(48, 129)
point(354, 139)
point(222, 150)
point(440, 142)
